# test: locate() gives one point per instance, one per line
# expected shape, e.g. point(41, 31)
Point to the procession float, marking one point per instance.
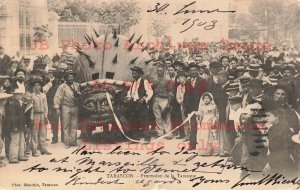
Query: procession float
point(103, 66)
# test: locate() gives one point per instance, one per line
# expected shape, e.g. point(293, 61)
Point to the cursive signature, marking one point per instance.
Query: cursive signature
point(80, 181)
point(275, 179)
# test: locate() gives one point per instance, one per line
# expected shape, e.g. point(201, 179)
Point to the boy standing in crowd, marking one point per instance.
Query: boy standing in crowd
point(40, 117)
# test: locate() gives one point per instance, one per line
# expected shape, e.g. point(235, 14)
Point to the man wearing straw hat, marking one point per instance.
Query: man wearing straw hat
point(3, 98)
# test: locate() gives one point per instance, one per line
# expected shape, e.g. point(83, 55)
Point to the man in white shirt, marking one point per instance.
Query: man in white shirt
point(137, 100)
point(20, 75)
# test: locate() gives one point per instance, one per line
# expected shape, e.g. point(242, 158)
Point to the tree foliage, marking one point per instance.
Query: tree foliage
point(124, 13)
point(274, 16)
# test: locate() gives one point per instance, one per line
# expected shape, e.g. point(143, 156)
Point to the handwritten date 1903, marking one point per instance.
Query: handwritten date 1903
point(196, 22)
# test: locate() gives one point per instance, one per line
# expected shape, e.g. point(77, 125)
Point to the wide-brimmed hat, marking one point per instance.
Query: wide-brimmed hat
point(4, 95)
point(191, 65)
point(19, 70)
point(181, 73)
point(37, 80)
point(138, 69)
point(69, 72)
point(254, 67)
point(235, 99)
point(215, 64)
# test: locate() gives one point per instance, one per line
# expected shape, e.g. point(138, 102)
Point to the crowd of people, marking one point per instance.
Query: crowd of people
point(243, 104)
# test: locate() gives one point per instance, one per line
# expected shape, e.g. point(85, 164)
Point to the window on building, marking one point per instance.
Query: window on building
point(27, 21)
point(22, 45)
point(21, 21)
point(28, 41)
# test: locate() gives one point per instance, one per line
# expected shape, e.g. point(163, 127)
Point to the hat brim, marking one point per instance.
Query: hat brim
point(296, 138)
point(70, 73)
point(5, 96)
point(4, 77)
point(18, 92)
point(254, 69)
point(137, 70)
point(229, 89)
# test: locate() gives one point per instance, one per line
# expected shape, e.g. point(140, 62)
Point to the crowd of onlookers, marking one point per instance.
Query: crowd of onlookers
point(246, 103)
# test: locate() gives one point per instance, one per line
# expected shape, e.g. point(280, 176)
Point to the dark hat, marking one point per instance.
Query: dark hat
point(255, 83)
point(224, 57)
point(178, 63)
point(26, 59)
point(235, 99)
point(254, 67)
point(234, 59)
point(181, 73)
point(289, 67)
point(233, 86)
point(215, 64)
point(191, 65)
point(37, 80)
point(19, 70)
point(14, 61)
point(231, 77)
point(138, 69)
point(69, 72)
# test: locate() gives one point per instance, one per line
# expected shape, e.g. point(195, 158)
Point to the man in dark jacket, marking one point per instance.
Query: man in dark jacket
point(15, 120)
point(4, 61)
point(195, 87)
point(137, 100)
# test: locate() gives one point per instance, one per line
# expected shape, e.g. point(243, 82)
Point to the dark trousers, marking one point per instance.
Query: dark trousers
point(137, 117)
point(53, 119)
point(5, 135)
point(176, 120)
point(281, 162)
point(230, 132)
point(193, 136)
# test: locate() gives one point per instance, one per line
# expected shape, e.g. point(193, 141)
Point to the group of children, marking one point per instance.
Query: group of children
point(23, 119)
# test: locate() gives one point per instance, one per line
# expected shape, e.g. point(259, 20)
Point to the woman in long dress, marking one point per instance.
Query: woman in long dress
point(207, 135)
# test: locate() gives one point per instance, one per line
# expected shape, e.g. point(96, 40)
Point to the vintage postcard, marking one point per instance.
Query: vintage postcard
point(149, 94)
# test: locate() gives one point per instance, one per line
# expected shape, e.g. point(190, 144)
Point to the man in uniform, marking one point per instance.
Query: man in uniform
point(66, 97)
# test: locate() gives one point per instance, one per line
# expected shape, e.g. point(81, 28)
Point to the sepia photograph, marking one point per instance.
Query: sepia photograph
point(149, 94)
